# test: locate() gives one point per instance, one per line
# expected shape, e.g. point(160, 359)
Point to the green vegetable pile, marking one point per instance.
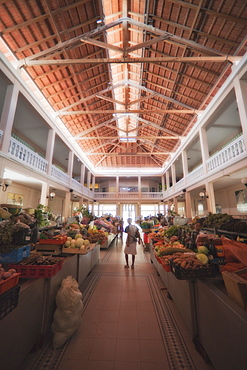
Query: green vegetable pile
point(174, 230)
point(216, 220)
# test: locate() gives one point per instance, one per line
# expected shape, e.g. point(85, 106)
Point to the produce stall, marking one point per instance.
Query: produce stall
point(109, 240)
point(200, 294)
point(34, 313)
point(40, 269)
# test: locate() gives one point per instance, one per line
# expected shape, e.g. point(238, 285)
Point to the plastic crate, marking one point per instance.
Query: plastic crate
point(158, 259)
point(53, 241)
point(190, 274)
point(167, 268)
point(9, 283)
point(16, 255)
point(38, 271)
point(25, 236)
point(9, 301)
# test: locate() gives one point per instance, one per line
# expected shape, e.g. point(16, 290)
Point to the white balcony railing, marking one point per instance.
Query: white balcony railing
point(128, 195)
point(226, 155)
point(23, 154)
point(76, 185)
point(195, 174)
point(88, 192)
point(59, 175)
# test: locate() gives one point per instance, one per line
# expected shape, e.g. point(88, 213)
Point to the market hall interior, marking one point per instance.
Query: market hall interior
point(129, 321)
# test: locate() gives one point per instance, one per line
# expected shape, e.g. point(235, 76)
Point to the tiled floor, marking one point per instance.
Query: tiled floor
point(119, 328)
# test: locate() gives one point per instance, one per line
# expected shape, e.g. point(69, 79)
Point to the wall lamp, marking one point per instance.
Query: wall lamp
point(244, 181)
point(5, 183)
point(203, 195)
point(51, 196)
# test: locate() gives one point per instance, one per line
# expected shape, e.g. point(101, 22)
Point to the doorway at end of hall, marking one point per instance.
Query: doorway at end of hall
point(128, 212)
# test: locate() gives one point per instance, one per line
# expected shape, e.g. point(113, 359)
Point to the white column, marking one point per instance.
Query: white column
point(167, 180)
point(139, 187)
point(241, 95)
point(204, 148)
point(44, 193)
point(173, 169)
point(88, 179)
point(8, 115)
point(82, 174)
point(67, 205)
point(162, 183)
point(211, 198)
point(50, 149)
point(70, 167)
point(175, 202)
point(93, 183)
point(117, 186)
point(188, 208)
point(185, 165)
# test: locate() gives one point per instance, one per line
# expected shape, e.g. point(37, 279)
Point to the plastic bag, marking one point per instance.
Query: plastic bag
point(68, 313)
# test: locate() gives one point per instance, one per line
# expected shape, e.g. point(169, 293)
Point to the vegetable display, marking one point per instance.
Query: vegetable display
point(216, 220)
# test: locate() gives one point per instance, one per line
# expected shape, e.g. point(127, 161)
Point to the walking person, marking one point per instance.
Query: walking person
point(120, 228)
point(132, 238)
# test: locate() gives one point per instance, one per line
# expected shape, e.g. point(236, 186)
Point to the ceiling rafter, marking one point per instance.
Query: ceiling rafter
point(216, 59)
point(210, 12)
point(198, 32)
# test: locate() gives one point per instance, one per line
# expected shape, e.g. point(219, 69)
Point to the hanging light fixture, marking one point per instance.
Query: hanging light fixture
point(4, 183)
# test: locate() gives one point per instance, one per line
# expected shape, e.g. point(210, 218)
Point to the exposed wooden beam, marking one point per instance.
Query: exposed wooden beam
point(101, 44)
point(128, 154)
point(181, 40)
point(36, 43)
point(109, 99)
point(210, 12)
point(198, 32)
point(94, 128)
point(126, 111)
point(78, 26)
point(41, 18)
point(214, 59)
point(156, 126)
point(146, 43)
point(130, 137)
point(69, 7)
point(162, 96)
point(72, 41)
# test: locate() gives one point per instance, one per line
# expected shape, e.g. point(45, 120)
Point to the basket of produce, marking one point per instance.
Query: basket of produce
point(37, 266)
point(9, 301)
point(17, 231)
point(188, 266)
point(8, 279)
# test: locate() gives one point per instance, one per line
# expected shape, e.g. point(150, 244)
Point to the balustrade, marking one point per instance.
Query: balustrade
point(23, 154)
point(227, 154)
point(60, 175)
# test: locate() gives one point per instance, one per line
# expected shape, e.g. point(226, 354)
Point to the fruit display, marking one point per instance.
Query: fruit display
point(6, 274)
point(158, 235)
point(187, 260)
point(97, 236)
point(78, 242)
